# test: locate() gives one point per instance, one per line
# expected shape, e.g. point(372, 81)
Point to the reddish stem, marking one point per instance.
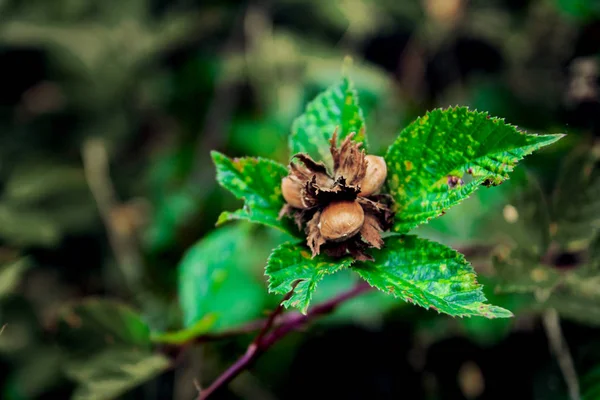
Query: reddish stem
point(264, 340)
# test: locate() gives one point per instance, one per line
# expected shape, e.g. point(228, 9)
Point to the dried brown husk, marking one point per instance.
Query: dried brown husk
point(320, 188)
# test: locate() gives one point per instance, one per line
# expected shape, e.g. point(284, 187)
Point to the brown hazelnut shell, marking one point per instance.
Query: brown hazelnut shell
point(341, 220)
point(374, 176)
point(291, 190)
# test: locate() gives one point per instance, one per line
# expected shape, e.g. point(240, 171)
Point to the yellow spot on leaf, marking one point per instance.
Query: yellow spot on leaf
point(408, 165)
point(237, 163)
point(305, 254)
point(395, 182)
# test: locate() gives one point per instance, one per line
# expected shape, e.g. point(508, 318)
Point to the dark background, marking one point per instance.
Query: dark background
point(154, 85)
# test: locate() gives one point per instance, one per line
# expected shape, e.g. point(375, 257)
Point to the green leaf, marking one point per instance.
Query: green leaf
point(171, 211)
point(430, 275)
point(28, 227)
point(590, 384)
point(36, 373)
point(292, 262)
point(258, 182)
point(185, 335)
point(454, 142)
point(581, 9)
point(335, 108)
point(215, 279)
point(526, 216)
point(592, 266)
point(519, 271)
point(95, 324)
point(35, 181)
point(474, 221)
point(20, 329)
point(576, 200)
point(490, 331)
point(10, 275)
point(368, 309)
point(574, 307)
point(114, 372)
point(108, 348)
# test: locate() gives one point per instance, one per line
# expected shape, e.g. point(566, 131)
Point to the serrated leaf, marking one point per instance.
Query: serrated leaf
point(576, 199)
point(215, 279)
point(258, 182)
point(292, 262)
point(114, 372)
point(431, 156)
point(335, 108)
point(486, 331)
point(369, 308)
point(468, 222)
point(430, 275)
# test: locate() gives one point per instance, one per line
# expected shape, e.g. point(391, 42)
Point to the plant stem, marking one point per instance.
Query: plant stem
point(251, 352)
point(129, 260)
point(250, 327)
point(561, 351)
point(264, 340)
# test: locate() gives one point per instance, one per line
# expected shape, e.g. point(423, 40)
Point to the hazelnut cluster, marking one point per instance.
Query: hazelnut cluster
point(340, 212)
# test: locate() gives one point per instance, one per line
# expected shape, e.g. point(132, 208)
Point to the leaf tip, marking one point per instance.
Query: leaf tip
point(224, 217)
point(346, 66)
point(498, 312)
point(216, 156)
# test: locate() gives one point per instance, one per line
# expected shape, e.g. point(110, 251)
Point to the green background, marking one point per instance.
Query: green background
point(109, 111)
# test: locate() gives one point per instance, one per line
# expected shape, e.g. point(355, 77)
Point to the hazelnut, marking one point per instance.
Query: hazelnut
point(291, 190)
point(341, 220)
point(374, 176)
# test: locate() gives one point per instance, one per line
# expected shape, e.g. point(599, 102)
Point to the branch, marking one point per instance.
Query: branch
point(561, 351)
point(264, 340)
point(256, 325)
point(250, 327)
point(97, 174)
point(251, 352)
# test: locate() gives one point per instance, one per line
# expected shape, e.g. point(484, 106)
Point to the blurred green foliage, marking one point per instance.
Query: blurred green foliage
point(103, 238)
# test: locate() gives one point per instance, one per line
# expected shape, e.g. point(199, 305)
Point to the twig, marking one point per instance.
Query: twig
point(561, 351)
point(296, 320)
point(250, 327)
point(264, 340)
point(96, 169)
point(251, 352)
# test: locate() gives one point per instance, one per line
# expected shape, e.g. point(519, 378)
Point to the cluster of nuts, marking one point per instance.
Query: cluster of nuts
point(341, 212)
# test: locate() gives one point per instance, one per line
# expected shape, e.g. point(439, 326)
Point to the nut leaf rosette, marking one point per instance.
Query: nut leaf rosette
point(341, 211)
